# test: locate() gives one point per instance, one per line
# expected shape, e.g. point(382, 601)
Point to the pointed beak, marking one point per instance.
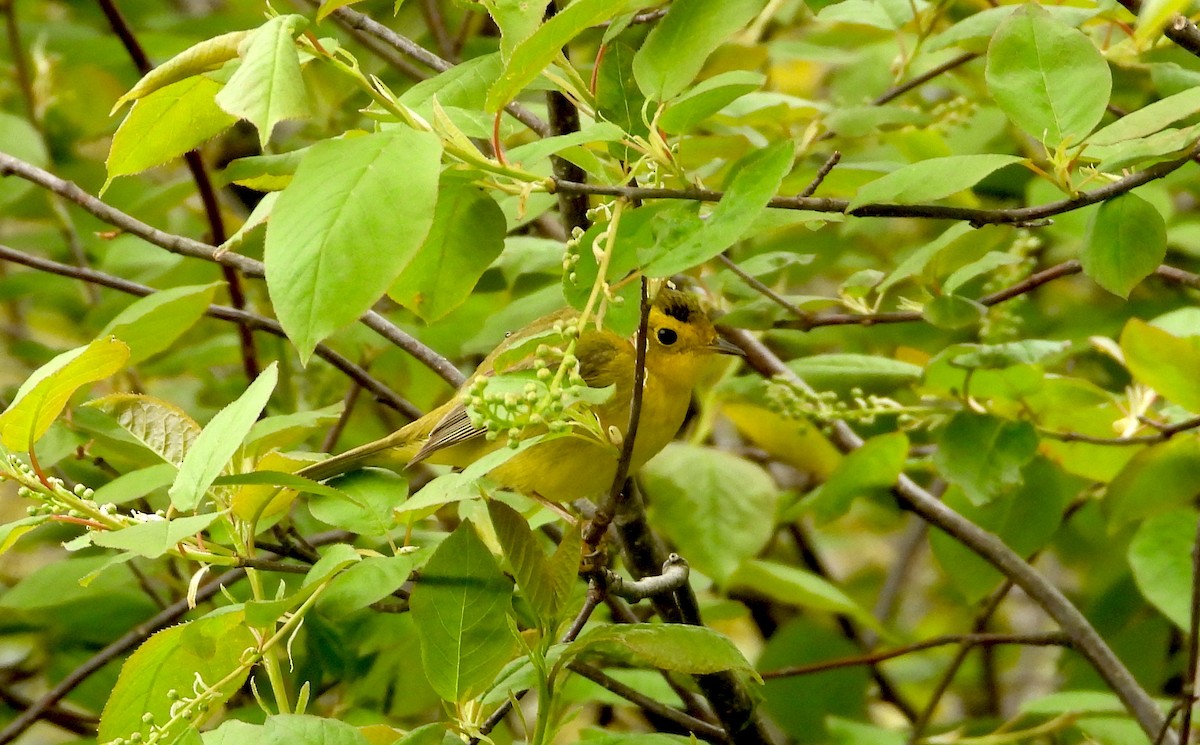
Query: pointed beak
point(720, 346)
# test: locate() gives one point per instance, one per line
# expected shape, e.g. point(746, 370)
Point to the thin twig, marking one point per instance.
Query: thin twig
point(899, 90)
point(1162, 435)
point(222, 312)
point(436, 24)
point(349, 401)
point(688, 723)
point(1056, 639)
point(976, 216)
point(834, 158)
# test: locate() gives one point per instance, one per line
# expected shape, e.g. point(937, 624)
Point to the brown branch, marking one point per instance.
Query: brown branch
point(184, 246)
point(225, 313)
point(834, 158)
point(969, 640)
point(1163, 434)
point(976, 216)
point(208, 195)
point(436, 24)
point(988, 546)
point(1187, 696)
point(899, 90)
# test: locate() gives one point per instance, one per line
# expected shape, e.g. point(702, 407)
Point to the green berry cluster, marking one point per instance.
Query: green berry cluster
point(823, 408)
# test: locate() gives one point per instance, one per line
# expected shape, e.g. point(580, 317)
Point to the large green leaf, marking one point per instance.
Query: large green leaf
point(1048, 78)
point(1160, 556)
point(930, 179)
point(267, 88)
point(220, 439)
point(166, 124)
point(686, 649)
point(707, 98)
point(1125, 242)
point(756, 181)
point(1160, 478)
point(205, 56)
point(718, 509)
point(874, 466)
point(354, 215)
point(152, 324)
point(204, 655)
point(1163, 361)
point(43, 396)
point(466, 237)
point(799, 588)
point(984, 454)
point(460, 608)
point(154, 538)
point(1149, 119)
point(678, 45)
point(161, 427)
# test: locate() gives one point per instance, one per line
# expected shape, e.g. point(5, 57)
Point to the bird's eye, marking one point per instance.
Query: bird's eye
point(667, 337)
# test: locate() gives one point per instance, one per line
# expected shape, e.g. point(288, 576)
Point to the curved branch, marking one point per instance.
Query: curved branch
point(184, 246)
point(988, 546)
point(250, 320)
point(976, 216)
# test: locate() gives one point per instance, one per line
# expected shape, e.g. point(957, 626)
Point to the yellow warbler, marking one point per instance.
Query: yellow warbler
point(680, 340)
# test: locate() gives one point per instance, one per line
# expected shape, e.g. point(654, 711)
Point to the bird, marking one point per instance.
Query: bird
point(681, 342)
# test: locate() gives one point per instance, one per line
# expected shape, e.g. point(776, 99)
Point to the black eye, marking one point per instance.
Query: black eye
point(667, 337)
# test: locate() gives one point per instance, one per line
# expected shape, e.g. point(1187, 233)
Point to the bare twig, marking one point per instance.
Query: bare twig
point(688, 723)
point(968, 640)
point(834, 158)
point(351, 370)
point(899, 90)
point(1162, 435)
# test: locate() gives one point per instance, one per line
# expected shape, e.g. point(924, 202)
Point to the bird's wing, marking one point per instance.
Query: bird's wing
point(453, 429)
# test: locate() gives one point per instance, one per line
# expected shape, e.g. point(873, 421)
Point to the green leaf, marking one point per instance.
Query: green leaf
point(695, 650)
point(1010, 354)
point(535, 53)
point(332, 249)
point(1165, 145)
point(370, 580)
point(717, 508)
point(872, 467)
point(460, 608)
point(161, 427)
point(152, 324)
point(1162, 477)
point(264, 172)
point(11, 532)
point(990, 262)
point(22, 141)
point(516, 19)
point(219, 440)
point(757, 180)
point(676, 48)
point(363, 503)
point(1026, 519)
point(930, 179)
point(524, 556)
point(464, 85)
point(45, 394)
point(288, 729)
point(981, 26)
point(268, 88)
point(845, 371)
point(154, 538)
point(466, 237)
point(618, 98)
point(1160, 556)
point(206, 56)
point(1165, 362)
point(799, 588)
point(166, 124)
point(209, 649)
point(539, 150)
point(1125, 243)
point(1149, 119)
point(984, 454)
point(707, 98)
point(1153, 17)
point(1048, 78)
point(953, 312)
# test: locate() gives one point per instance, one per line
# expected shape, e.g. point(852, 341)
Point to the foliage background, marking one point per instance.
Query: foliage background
point(991, 282)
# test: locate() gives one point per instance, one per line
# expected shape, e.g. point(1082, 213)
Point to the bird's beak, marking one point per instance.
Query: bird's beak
point(720, 346)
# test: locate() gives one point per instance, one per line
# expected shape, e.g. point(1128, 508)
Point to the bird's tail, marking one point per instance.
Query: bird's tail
point(392, 452)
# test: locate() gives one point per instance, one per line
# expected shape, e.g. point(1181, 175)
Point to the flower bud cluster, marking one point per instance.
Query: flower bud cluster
point(826, 407)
